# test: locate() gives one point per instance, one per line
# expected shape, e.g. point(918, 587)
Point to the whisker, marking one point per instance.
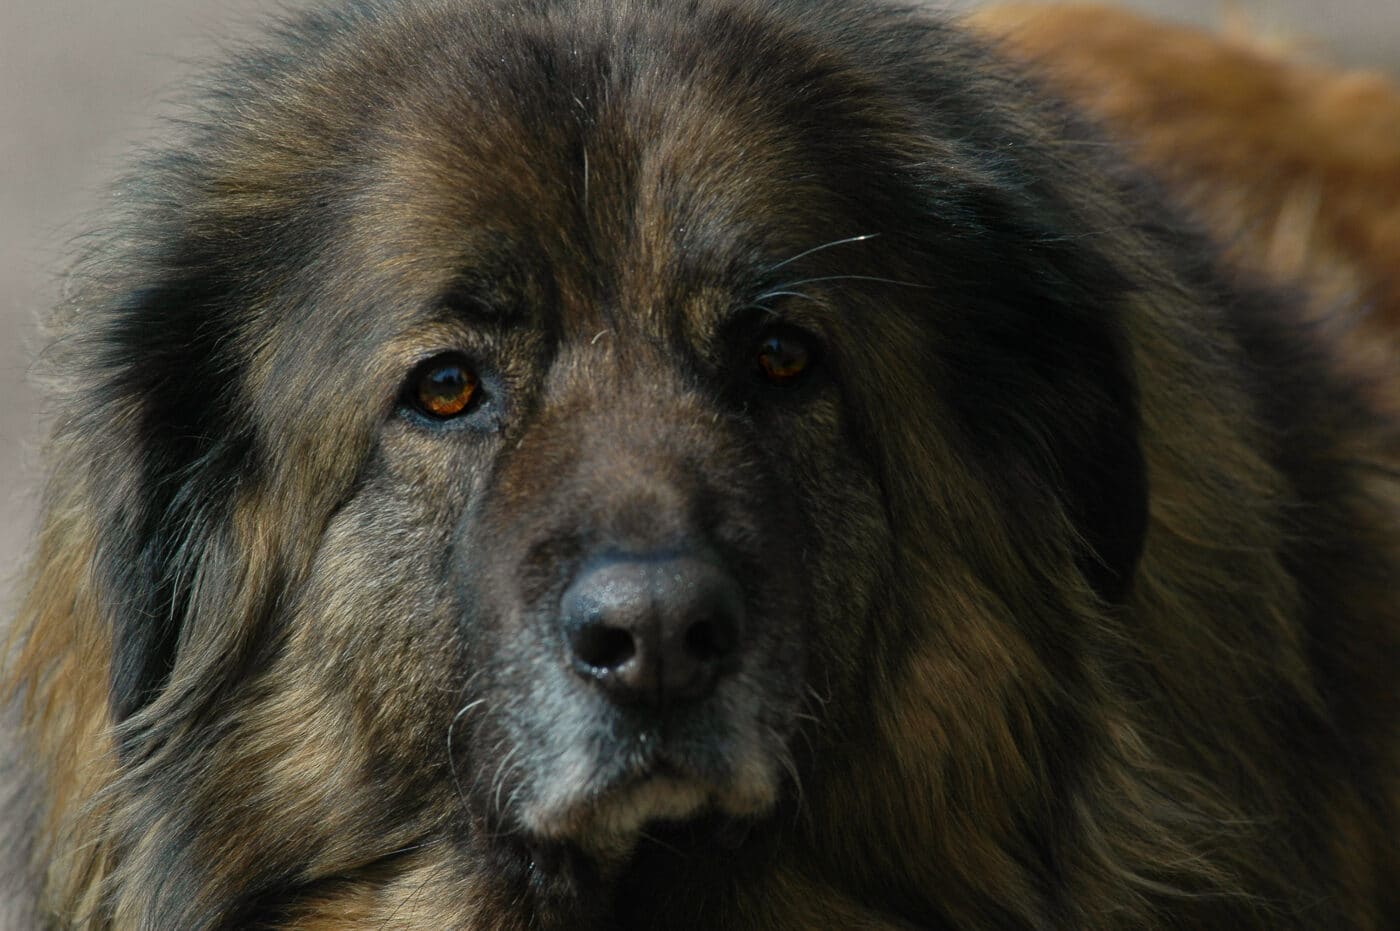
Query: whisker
point(876, 278)
point(451, 760)
point(773, 294)
point(503, 772)
point(400, 851)
point(790, 765)
point(825, 245)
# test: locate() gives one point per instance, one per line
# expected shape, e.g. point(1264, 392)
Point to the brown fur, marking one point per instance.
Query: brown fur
point(1069, 573)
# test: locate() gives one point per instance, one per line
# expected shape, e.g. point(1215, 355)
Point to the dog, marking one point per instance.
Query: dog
point(707, 464)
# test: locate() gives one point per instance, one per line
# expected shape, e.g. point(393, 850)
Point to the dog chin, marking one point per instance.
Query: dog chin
point(606, 824)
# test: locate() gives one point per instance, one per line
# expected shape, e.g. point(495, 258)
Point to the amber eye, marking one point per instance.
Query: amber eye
point(443, 387)
point(784, 357)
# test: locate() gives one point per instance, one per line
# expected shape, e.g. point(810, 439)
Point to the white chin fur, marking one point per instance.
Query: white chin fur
point(609, 825)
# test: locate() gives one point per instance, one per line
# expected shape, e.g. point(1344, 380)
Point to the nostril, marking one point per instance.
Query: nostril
point(602, 647)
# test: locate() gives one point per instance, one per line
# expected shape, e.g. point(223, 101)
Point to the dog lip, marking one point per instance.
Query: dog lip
point(610, 816)
point(660, 766)
point(650, 757)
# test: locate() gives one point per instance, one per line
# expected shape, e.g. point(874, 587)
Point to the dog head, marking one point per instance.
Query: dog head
point(546, 423)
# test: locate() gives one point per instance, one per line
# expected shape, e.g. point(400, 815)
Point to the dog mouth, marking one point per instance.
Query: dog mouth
point(606, 808)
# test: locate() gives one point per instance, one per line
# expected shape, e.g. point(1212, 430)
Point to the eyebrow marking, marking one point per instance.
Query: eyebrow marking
point(485, 299)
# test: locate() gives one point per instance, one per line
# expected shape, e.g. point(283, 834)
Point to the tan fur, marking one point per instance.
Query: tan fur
point(65, 702)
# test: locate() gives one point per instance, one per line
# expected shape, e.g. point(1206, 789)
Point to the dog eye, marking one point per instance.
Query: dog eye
point(784, 356)
point(443, 387)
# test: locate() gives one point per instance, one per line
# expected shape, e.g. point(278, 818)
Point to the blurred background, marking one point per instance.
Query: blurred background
point(82, 81)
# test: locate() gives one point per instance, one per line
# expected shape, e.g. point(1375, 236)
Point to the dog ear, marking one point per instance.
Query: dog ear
point(159, 397)
point(1041, 376)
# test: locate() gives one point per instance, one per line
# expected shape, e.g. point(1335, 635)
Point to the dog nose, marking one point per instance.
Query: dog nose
point(653, 630)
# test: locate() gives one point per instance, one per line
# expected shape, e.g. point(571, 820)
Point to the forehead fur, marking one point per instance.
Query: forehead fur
point(599, 165)
point(598, 148)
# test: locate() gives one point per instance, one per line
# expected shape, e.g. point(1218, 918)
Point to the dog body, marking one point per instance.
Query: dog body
point(696, 465)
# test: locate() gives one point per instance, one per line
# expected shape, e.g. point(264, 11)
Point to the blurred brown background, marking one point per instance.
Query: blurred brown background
point(81, 81)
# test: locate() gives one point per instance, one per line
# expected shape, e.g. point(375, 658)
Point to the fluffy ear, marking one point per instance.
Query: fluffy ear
point(164, 428)
point(1041, 375)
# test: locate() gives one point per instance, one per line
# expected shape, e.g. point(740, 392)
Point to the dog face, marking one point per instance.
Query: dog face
point(652, 460)
point(613, 467)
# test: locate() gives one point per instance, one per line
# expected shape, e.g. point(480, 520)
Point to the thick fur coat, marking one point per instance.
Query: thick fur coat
point(717, 464)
